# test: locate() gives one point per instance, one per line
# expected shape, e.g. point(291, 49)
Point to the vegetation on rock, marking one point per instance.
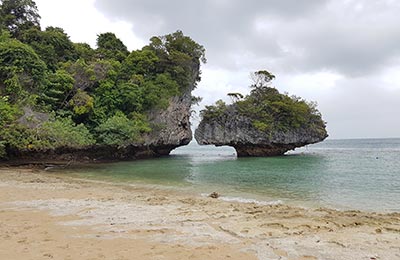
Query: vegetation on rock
point(263, 123)
point(56, 93)
point(269, 110)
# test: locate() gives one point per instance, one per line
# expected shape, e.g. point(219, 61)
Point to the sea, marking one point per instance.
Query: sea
point(356, 174)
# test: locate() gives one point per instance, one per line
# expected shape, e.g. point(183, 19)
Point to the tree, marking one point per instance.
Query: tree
point(235, 96)
point(61, 43)
point(52, 45)
point(142, 62)
point(179, 42)
point(59, 85)
point(110, 47)
point(21, 69)
point(261, 78)
point(84, 51)
point(179, 56)
point(19, 15)
point(214, 111)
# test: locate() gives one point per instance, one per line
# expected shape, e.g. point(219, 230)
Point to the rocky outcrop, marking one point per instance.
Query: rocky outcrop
point(170, 129)
point(171, 126)
point(31, 118)
point(234, 129)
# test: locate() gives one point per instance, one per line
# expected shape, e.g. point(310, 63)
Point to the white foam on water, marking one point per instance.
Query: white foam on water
point(247, 201)
point(258, 202)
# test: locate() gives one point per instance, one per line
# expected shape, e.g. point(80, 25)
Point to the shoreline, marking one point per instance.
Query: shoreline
point(189, 188)
point(139, 222)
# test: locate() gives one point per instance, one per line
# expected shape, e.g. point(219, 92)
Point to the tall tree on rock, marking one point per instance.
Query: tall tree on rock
point(261, 79)
point(18, 15)
point(110, 47)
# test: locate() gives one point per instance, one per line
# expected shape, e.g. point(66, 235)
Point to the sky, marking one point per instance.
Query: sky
point(343, 54)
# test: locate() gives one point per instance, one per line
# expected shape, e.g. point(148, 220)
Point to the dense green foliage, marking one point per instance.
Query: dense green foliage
point(63, 132)
point(18, 15)
point(21, 70)
point(79, 96)
point(214, 111)
point(110, 47)
point(120, 130)
point(268, 109)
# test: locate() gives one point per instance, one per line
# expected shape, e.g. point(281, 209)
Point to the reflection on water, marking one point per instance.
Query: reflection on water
point(360, 174)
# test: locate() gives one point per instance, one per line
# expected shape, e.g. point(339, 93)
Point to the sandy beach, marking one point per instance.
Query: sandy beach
point(49, 216)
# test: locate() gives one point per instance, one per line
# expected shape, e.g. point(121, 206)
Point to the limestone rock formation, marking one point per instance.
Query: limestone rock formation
point(173, 126)
point(171, 129)
point(232, 125)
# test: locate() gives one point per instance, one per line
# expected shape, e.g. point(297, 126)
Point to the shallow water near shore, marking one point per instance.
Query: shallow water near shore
point(362, 174)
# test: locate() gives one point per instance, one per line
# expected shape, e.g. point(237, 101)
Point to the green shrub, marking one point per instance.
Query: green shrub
point(63, 132)
point(119, 130)
point(81, 103)
point(214, 111)
point(261, 126)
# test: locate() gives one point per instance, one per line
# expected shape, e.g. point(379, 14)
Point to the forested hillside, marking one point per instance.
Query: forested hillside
point(56, 93)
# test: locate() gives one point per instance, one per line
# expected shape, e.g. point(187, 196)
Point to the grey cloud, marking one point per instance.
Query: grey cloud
point(362, 109)
point(347, 46)
point(225, 28)
point(349, 37)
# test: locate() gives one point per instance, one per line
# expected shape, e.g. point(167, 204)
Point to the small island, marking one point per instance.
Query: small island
point(65, 101)
point(264, 123)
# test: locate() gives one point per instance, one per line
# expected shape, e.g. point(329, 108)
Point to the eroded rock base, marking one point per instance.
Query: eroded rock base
point(262, 151)
point(88, 155)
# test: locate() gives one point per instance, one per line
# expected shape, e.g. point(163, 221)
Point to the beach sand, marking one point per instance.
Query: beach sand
point(49, 216)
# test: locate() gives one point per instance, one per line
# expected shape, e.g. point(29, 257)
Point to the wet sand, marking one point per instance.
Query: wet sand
point(49, 216)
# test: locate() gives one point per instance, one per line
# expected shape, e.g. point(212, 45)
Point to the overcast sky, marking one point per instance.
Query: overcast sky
point(343, 54)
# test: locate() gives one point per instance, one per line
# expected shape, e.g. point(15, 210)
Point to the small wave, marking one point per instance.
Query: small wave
point(247, 201)
point(258, 202)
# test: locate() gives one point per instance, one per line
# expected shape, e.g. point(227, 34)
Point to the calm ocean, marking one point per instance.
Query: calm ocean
point(362, 174)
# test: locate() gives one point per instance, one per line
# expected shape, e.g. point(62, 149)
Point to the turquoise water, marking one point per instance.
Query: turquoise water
point(359, 174)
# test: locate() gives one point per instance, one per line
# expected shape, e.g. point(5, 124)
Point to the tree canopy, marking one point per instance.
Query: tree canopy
point(261, 78)
point(110, 47)
point(268, 109)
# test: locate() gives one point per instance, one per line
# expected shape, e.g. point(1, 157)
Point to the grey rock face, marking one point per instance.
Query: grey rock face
point(171, 126)
point(31, 118)
point(233, 129)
